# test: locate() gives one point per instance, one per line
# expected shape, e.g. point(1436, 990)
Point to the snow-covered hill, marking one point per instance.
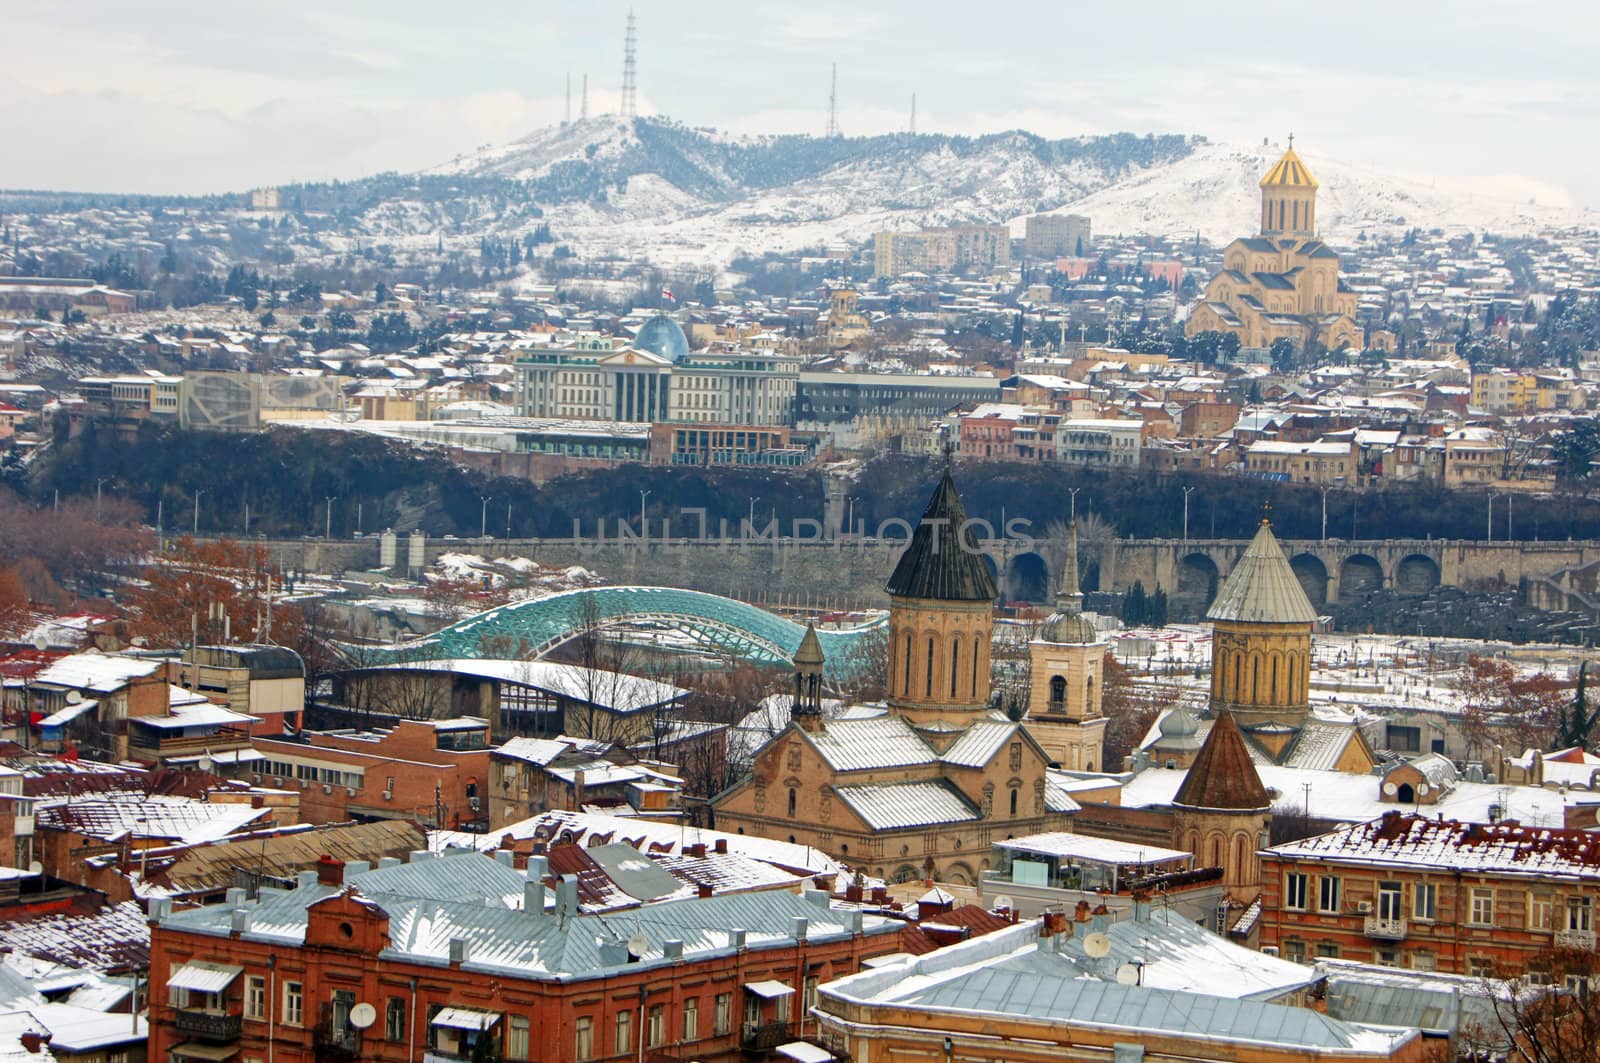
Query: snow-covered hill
point(1214, 191)
point(656, 190)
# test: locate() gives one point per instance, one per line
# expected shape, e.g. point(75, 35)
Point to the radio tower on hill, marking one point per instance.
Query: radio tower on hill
point(833, 104)
point(630, 89)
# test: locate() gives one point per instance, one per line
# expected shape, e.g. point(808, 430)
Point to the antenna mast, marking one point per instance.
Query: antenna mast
point(913, 114)
point(583, 113)
point(833, 104)
point(629, 86)
point(568, 119)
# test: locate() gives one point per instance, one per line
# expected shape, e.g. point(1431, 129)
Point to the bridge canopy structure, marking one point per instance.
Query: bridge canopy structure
point(531, 629)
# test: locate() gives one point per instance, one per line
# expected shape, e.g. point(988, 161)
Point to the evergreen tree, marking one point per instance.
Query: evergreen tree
point(1016, 333)
point(1157, 608)
point(1574, 726)
point(1135, 605)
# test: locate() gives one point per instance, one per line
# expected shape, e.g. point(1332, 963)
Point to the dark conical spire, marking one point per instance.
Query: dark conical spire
point(942, 562)
point(1223, 776)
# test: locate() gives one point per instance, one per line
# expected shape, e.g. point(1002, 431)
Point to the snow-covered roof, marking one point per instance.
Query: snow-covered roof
point(101, 673)
point(1401, 840)
point(1095, 850)
point(895, 806)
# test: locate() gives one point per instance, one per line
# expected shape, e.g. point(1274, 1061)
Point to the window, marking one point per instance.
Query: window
point(1294, 891)
point(294, 1003)
point(1328, 893)
point(1580, 913)
point(722, 1017)
point(255, 997)
point(655, 1030)
point(624, 1036)
point(1328, 950)
point(691, 1019)
point(1387, 957)
point(1294, 950)
point(1425, 901)
point(1389, 901)
point(1482, 911)
point(1480, 966)
point(1013, 800)
point(1541, 908)
point(394, 1019)
point(583, 1039)
point(1422, 961)
point(517, 1037)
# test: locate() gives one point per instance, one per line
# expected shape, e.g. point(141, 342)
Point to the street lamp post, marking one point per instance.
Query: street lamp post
point(850, 524)
point(1492, 497)
point(1186, 491)
point(483, 517)
point(1324, 512)
point(97, 484)
point(327, 523)
point(197, 495)
point(1072, 494)
point(752, 520)
point(643, 527)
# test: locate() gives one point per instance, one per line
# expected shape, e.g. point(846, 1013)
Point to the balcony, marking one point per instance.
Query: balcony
point(338, 1042)
point(210, 1025)
point(1575, 939)
point(763, 1037)
point(1385, 929)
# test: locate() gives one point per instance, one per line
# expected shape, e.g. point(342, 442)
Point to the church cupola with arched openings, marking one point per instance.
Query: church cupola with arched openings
point(1261, 639)
point(806, 708)
point(941, 618)
point(1065, 663)
point(1289, 199)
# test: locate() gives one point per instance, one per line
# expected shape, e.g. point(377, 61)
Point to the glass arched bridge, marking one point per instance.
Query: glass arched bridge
point(531, 629)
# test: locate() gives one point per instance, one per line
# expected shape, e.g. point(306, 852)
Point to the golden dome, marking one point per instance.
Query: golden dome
point(1289, 171)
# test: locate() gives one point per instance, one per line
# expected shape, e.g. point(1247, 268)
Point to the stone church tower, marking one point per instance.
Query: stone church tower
point(1289, 199)
point(806, 709)
point(1222, 812)
point(1065, 663)
point(941, 600)
point(1261, 641)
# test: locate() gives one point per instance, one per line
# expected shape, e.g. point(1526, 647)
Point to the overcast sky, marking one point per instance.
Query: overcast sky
point(190, 96)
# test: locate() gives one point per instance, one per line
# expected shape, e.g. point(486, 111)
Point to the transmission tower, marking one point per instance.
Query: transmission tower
point(913, 113)
point(833, 104)
point(630, 89)
point(583, 106)
point(567, 120)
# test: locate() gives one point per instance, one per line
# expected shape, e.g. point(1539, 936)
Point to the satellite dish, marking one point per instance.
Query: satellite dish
point(1003, 904)
point(638, 943)
point(35, 867)
point(363, 1015)
point(41, 643)
point(1128, 974)
point(73, 697)
point(205, 763)
point(1097, 946)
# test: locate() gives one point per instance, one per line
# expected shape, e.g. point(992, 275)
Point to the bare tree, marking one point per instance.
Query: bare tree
point(1542, 1024)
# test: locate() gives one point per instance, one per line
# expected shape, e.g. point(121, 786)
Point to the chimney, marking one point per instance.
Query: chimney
point(505, 857)
point(672, 949)
point(330, 872)
point(1054, 923)
point(1141, 906)
point(235, 896)
point(567, 896)
point(533, 897)
point(305, 879)
point(798, 927)
point(880, 895)
point(1080, 914)
point(160, 908)
point(458, 951)
point(697, 851)
point(720, 845)
point(538, 867)
point(738, 939)
point(386, 862)
point(703, 890)
point(258, 801)
point(613, 953)
point(34, 1041)
point(1100, 922)
point(577, 790)
point(419, 855)
point(819, 898)
point(853, 892)
point(857, 921)
point(356, 867)
point(239, 921)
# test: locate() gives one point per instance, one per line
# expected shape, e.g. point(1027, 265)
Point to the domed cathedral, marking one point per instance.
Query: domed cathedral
point(941, 619)
point(1065, 663)
point(1222, 812)
point(1284, 283)
point(1261, 643)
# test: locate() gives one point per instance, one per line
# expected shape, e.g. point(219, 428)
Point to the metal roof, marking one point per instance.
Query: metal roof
point(942, 562)
point(877, 742)
point(1262, 588)
point(979, 743)
point(891, 806)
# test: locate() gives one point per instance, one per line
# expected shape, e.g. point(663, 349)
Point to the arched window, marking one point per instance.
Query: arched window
point(955, 659)
point(905, 685)
point(791, 801)
point(1058, 691)
point(929, 691)
point(1013, 800)
point(1236, 663)
point(1275, 697)
point(976, 657)
point(1255, 676)
point(1294, 693)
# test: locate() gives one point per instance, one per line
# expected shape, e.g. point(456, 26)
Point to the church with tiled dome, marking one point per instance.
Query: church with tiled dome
point(1283, 283)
